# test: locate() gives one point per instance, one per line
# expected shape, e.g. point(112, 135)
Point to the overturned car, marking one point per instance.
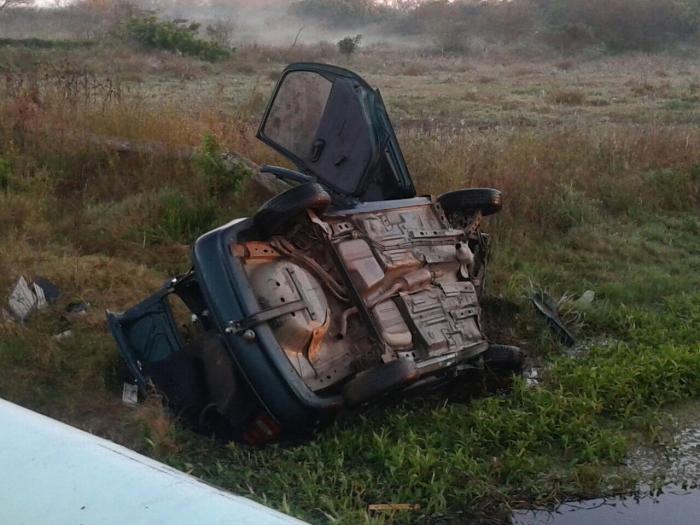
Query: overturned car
point(340, 290)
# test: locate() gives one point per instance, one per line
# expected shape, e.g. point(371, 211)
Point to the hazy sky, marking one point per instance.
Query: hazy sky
point(255, 20)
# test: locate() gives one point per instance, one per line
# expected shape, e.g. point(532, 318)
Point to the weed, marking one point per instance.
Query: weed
point(675, 190)
point(678, 105)
point(222, 178)
point(566, 65)
point(5, 173)
point(348, 45)
point(181, 220)
point(566, 97)
point(448, 458)
point(570, 208)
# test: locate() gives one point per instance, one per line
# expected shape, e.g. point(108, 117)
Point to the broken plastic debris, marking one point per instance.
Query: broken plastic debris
point(49, 290)
point(585, 300)
point(22, 299)
point(77, 308)
point(130, 394)
point(25, 298)
point(64, 334)
point(41, 301)
point(548, 308)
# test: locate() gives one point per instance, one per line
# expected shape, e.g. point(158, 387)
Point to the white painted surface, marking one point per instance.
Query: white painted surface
point(54, 474)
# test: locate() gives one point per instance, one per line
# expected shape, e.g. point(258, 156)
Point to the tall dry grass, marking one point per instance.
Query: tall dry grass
point(53, 124)
point(555, 179)
point(70, 121)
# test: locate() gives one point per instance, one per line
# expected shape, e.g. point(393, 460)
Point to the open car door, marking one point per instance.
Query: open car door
point(334, 127)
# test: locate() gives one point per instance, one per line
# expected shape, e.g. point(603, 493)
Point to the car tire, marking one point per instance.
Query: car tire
point(504, 358)
point(486, 200)
point(275, 216)
point(373, 382)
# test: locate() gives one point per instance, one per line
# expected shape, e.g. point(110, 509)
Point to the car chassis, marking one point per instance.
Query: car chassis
point(344, 288)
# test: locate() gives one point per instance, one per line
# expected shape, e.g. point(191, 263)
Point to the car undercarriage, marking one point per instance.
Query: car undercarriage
point(413, 282)
point(344, 288)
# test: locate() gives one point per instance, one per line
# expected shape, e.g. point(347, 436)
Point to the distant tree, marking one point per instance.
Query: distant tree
point(348, 45)
point(341, 13)
point(621, 25)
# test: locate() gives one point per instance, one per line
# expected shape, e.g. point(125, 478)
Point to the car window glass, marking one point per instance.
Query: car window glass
point(297, 110)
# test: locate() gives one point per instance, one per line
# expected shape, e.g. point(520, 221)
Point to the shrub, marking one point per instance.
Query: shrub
point(223, 178)
point(348, 45)
point(173, 35)
point(569, 208)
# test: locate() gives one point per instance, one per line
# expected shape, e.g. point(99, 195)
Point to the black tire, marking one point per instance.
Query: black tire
point(275, 216)
point(486, 200)
point(373, 382)
point(504, 358)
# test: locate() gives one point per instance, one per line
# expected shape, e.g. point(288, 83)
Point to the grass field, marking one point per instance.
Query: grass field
point(599, 162)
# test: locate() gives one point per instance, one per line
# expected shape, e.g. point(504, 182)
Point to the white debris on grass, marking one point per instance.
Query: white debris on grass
point(130, 394)
point(23, 300)
point(26, 298)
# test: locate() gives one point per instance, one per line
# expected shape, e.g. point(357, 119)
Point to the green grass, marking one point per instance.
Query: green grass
point(560, 439)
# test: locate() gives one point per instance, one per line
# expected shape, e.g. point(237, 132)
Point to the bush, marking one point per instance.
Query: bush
point(569, 208)
point(173, 35)
point(348, 45)
point(222, 178)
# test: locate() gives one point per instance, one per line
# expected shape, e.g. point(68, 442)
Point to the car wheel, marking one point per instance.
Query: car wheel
point(275, 216)
point(486, 200)
point(504, 358)
point(373, 382)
